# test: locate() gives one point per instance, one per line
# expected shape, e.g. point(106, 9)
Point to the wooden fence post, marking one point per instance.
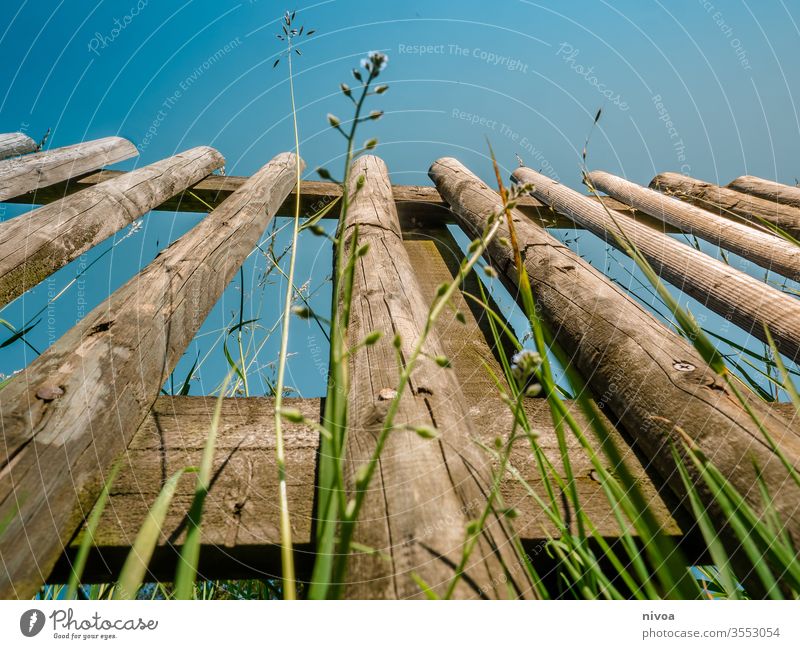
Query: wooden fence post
point(736, 296)
point(426, 491)
point(13, 144)
point(729, 203)
point(36, 244)
point(753, 243)
point(75, 408)
point(653, 382)
point(767, 189)
point(30, 172)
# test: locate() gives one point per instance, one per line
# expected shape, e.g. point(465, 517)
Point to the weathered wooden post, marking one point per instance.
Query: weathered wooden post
point(729, 203)
point(30, 172)
point(426, 491)
point(12, 144)
point(767, 189)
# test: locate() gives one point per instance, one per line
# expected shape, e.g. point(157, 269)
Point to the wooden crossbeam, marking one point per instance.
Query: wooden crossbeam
point(417, 205)
point(240, 520)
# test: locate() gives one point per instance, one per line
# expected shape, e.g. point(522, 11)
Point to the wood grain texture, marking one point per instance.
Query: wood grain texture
point(767, 189)
point(729, 203)
point(653, 382)
point(29, 173)
point(14, 144)
point(436, 257)
point(36, 244)
point(736, 296)
point(425, 492)
point(417, 205)
point(76, 407)
point(240, 521)
point(748, 241)
point(241, 529)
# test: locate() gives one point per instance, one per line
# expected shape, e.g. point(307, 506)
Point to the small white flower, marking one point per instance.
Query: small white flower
point(375, 62)
point(524, 363)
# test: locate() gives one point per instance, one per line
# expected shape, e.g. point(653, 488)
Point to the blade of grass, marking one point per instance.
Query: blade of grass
point(82, 556)
point(190, 553)
point(135, 566)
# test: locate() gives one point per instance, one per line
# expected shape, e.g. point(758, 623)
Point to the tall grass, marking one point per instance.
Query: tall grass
point(290, 36)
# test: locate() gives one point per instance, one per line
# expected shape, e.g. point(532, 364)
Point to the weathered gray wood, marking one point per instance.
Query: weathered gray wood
point(417, 206)
point(753, 243)
point(76, 407)
point(767, 189)
point(36, 244)
point(31, 172)
point(240, 519)
point(13, 144)
point(729, 203)
point(736, 296)
point(653, 381)
point(425, 492)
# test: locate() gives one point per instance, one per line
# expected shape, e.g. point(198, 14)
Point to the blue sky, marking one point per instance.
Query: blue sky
point(528, 75)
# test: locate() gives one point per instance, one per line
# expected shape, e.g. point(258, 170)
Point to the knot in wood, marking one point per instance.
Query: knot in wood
point(49, 392)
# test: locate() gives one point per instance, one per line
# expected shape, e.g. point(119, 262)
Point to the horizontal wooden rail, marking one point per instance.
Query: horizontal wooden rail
point(240, 520)
point(36, 244)
point(417, 205)
point(736, 296)
point(767, 189)
point(13, 144)
point(748, 241)
point(29, 173)
point(76, 407)
point(729, 203)
point(651, 379)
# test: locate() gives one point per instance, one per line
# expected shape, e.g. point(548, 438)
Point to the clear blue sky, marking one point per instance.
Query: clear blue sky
point(528, 75)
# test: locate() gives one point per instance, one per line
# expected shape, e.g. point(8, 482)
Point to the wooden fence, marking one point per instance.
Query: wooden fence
point(93, 397)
